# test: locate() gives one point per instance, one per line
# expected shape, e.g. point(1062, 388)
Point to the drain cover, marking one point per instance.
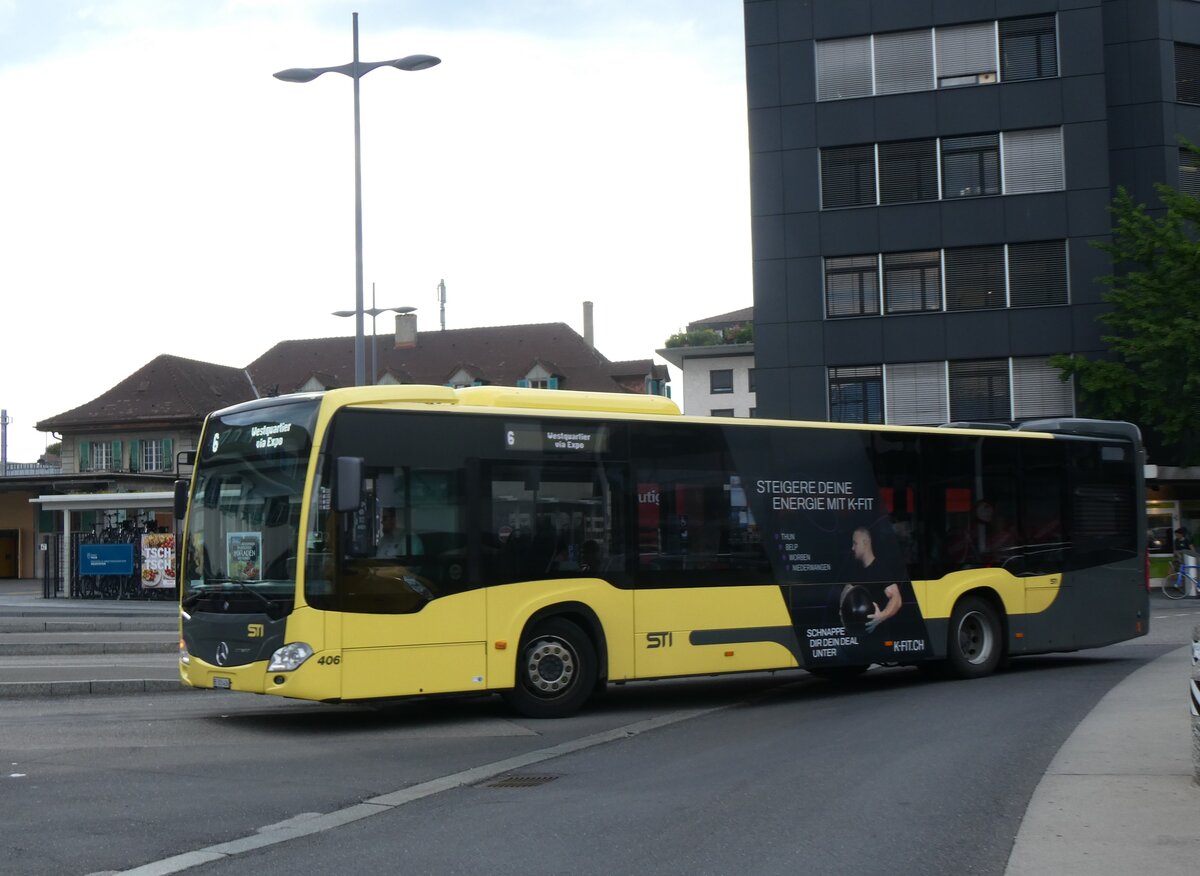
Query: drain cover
point(520, 781)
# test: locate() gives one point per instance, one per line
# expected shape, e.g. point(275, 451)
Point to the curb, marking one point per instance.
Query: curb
point(75, 649)
point(77, 688)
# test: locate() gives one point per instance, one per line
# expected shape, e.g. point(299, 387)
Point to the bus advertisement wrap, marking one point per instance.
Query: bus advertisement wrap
point(835, 552)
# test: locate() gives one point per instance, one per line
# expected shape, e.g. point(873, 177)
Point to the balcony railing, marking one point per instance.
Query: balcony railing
point(29, 469)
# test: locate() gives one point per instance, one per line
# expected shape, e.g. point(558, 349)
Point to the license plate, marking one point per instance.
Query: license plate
point(221, 683)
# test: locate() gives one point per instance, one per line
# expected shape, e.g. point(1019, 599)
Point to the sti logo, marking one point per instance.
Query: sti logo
point(255, 631)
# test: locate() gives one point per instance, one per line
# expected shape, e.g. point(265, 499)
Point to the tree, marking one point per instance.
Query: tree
point(1151, 375)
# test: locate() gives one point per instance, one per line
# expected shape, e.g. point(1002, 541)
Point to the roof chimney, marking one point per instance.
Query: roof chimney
point(406, 328)
point(589, 333)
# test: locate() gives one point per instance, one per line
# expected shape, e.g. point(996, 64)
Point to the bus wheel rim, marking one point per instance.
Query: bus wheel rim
point(975, 638)
point(550, 665)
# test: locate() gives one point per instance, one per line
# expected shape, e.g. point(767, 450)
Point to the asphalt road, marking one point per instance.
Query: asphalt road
point(757, 774)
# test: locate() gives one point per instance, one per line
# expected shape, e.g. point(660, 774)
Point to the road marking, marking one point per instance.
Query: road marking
point(309, 823)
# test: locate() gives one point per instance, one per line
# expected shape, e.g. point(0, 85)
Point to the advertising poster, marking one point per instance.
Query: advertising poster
point(243, 553)
point(834, 550)
point(158, 560)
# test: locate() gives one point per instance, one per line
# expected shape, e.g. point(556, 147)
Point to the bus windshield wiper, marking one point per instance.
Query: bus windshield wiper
point(270, 605)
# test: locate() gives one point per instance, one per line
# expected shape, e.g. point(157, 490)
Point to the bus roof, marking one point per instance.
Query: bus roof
point(567, 402)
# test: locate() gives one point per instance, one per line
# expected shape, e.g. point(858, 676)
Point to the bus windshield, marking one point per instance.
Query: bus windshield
point(244, 521)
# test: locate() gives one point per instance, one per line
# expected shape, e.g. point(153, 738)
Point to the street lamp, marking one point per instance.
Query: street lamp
point(373, 312)
point(356, 70)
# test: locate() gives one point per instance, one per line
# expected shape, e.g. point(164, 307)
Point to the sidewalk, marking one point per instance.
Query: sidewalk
point(1118, 798)
point(67, 647)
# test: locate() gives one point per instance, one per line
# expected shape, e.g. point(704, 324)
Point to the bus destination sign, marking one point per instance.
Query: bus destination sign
point(561, 438)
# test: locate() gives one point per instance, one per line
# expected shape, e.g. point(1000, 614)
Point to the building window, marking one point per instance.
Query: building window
point(1189, 171)
point(843, 68)
point(856, 394)
point(852, 286)
point(99, 456)
point(912, 281)
point(916, 393)
point(979, 390)
point(721, 412)
point(1039, 391)
point(970, 166)
point(1033, 161)
point(975, 278)
point(1028, 48)
point(750, 380)
point(966, 55)
point(904, 62)
point(720, 380)
point(154, 457)
point(908, 171)
point(1037, 273)
point(848, 176)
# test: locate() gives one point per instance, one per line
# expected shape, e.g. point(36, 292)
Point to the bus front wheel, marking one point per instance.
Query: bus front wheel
point(975, 643)
point(556, 671)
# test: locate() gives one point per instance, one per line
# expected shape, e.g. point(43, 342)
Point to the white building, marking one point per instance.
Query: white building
point(716, 359)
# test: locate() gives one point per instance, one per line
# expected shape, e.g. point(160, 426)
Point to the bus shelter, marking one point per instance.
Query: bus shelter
point(67, 504)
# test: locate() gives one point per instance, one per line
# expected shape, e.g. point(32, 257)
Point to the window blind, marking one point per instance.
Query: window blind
point(916, 393)
point(848, 176)
point(1037, 390)
point(975, 278)
point(1189, 171)
point(966, 55)
point(1033, 161)
point(1028, 48)
point(843, 68)
point(912, 281)
point(1037, 273)
point(979, 390)
point(904, 61)
point(908, 171)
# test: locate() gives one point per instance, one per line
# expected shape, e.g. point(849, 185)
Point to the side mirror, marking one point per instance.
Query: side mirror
point(181, 499)
point(348, 487)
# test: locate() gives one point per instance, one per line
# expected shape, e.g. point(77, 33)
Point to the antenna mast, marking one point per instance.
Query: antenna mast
point(442, 301)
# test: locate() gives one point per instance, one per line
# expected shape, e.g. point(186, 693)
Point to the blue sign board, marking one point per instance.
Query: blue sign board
point(106, 559)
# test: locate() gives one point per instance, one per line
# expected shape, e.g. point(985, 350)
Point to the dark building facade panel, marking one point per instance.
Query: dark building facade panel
point(853, 342)
point(1002, 187)
point(1041, 332)
point(914, 339)
point(762, 22)
point(805, 300)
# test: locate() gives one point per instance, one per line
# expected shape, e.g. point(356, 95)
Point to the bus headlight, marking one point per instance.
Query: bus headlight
point(184, 657)
point(289, 657)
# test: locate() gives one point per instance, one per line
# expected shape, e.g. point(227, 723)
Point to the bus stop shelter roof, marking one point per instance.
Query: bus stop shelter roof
point(105, 501)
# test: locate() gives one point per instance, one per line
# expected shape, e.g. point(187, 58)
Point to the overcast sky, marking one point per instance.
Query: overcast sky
point(161, 192)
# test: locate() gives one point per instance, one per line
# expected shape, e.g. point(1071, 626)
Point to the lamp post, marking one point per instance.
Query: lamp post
point(356, 70)
point(373, 312)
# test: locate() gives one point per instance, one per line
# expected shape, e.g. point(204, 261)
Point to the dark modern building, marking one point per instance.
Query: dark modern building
point(928, 180)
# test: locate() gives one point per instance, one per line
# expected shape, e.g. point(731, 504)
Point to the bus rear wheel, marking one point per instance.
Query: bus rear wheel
point(556, 671)
point(975, 643)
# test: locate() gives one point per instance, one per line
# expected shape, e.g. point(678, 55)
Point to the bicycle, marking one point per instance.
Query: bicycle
point(1175, 584)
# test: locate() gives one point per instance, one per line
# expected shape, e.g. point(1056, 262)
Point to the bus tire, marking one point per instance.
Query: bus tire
point(976, 646)
point(556, 671)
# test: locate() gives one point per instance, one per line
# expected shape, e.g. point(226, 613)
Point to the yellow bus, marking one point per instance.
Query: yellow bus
point(400, 541)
